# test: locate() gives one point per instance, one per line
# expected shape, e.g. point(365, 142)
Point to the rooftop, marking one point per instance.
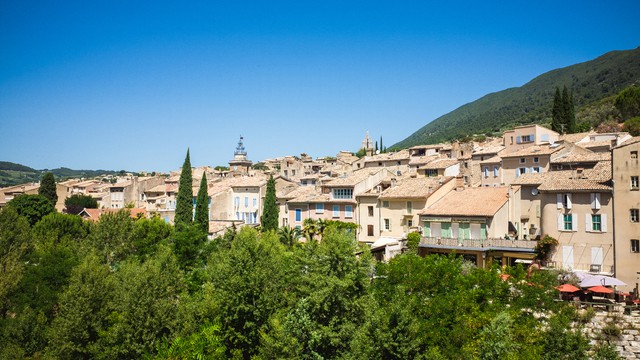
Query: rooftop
point(484, 201)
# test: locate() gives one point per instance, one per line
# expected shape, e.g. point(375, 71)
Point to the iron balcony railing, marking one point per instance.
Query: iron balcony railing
point(480, 243)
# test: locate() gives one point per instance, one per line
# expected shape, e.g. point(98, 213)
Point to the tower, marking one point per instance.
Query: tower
point(240, 165)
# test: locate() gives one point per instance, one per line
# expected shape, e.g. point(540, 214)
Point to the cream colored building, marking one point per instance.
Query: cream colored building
point(626, 190)
point(528, 135)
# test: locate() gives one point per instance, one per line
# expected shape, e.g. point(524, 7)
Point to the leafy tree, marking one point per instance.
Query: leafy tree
point(111, 238)
point(628, 102)
point(632, 126)
point(48, 188)
point(205, 344)
point(14, 245)
point(202, 206)
point(270, 209)
point(184, 200)
point(248, 282)
point(188, 241)
point(84, 310)
point(361, 153)
point(147, 306)
point(74, 204)
point(288, 236)
point(32, 207)
point(148, 235)
point(413, 240)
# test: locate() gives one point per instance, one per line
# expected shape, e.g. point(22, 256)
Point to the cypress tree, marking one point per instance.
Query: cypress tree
point(381, 147)
point(571, 114)
point(202, 206)
point(269, 218)
point(48, 188)
point(565, 110)
point(556, 112)
point(184, 201)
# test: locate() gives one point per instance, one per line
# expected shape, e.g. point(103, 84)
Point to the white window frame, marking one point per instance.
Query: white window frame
point(635, 183)
point(348, 211)
point(336, 211)
point(319, 208)
point(387, 224)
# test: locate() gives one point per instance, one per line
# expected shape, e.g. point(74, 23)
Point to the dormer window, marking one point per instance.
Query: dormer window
point(342, 194)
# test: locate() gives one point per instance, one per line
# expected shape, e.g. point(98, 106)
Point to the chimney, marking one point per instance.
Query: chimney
point(459, 183)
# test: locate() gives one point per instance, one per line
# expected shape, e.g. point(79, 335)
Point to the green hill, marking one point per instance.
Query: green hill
point(14, 174)
point(590, 82)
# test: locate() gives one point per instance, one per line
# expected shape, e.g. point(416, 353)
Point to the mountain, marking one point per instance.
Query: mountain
point(590, 82)
point(14, 174)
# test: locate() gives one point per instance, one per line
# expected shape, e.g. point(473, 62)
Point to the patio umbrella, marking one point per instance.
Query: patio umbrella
point(568, 288)
point(602, 280)
point(600, 289)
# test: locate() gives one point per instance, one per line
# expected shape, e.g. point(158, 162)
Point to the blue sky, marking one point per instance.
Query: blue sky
point(132, 84)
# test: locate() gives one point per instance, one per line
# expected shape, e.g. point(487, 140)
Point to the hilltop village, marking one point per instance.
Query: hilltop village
point(490, 202)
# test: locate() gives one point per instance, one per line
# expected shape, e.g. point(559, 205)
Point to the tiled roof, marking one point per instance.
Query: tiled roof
point(399, 155)
point(488, 150)
point(494, 160)
point(597, 178)
point(421, 160)
point(121, 184)
point(248, 181)
point(631, 141)
point(307, 194)
point(439, 164)
point(482, 201)
point(573, 158)
point(596, 144)
point(533, 151)
point(353, 179)
point(419, 187)
point(574, 138)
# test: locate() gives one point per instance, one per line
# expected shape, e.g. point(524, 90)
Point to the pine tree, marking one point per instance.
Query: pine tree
point(48, 188)
point(556, 112)
point(270, 210)
point(202, 205)
point(184, 201)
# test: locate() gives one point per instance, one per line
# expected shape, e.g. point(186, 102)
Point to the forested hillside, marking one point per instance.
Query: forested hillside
point(14, 174)
point(590, 82)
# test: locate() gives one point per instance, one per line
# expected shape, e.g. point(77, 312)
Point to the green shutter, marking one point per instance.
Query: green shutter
point(483, 231)
point(427, 229)
point(446, 230)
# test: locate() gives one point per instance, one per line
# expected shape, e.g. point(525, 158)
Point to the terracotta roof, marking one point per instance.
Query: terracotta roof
point(574, 138)
point(439, 164)
point(597, 178)
point(488, 150)
point(533, 151)
point(421, 160)
point(433, 146)
point(481, 201)
point(494, 160)
point(533, 178)
point(353, 179)
point(399, 155)
point(121, 184)
point(248, 181)
point(573, 158)
point(419, 187)
point(631, 141)
point(596, 144)
point(307, 194)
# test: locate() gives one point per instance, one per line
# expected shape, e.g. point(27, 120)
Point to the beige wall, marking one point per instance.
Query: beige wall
point(627, 262)
point(510, 138)
point(398, 215)
point(577, 249)
point(530, 211)
point(365, 220)
point(511, 165)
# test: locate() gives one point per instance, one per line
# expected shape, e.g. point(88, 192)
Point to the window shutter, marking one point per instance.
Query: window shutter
point(587, 223)
point(559, 201)
point(560, 222)
point(603, 222)
point(518, 139)
point(574, 222)
point(568, 201)
point(533, 137)
point(517, 173)
point(597, 200)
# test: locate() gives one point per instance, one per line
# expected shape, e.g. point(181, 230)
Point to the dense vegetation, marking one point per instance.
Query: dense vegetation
point(14, 174)
point(590, 82)
point(123, 288)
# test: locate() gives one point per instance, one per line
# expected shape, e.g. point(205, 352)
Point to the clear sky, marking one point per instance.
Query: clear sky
point(132, 84)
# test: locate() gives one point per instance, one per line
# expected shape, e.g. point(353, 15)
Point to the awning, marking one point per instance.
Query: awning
point(568, 288)
point(600, 280)
point(601, 289)
point(383, 242)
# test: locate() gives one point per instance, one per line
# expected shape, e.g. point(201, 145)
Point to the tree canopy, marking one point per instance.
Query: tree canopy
point(74, 204)
point(48, 188)
point(32, 207)
point(202, 205)
point(184, 200)
point(269, 219)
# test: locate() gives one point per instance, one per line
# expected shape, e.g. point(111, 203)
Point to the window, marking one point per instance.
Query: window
point(521, 171)
point(596, 223)
point(568, 222)
point(410, 223)
point(634, 154)
point(370, 208)
point(523, 160)
point(385, 204)
point(634, 183)
point(563, 201)
point(536, 159)
point(431, 173)
point(319, 208)
point(495, 171)
point(387, 224)
point(635, 246)
point(348, 211)
point(535, 169)
point(342, 193)
point(298, 215)
point(409, 207)
point(635, 216)
point(595, 201)
point(369, 230)
point(246, 201)
point(527, 138)
point(255, 202)
point(486, 171)
point(236, 201)
point(336, 211)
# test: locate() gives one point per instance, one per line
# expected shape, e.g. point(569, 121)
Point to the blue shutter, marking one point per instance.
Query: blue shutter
point(518, 139)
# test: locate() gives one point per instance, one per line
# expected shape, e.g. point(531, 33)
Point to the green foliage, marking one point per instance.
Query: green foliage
point(74, 204)
point(48, 188)
point(148, 235)
point(560, 341)
point(111, 237)
point(361, 153)
point(605, 351)
point(221, 168)
point(60, 229)
point(14, 245)
point(632, 126)
point(32, 207)
point(202, 206)
point(288, 236)
point(205, 344)
point(590, 81)
point(184, 200)
point(628, 102)
point(188, 241)
point(260, 166)
point(496, 339)
point(544, 247)
point(413, 240)
point(269, 218)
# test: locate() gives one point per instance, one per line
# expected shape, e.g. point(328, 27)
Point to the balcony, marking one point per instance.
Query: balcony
point(480, 243)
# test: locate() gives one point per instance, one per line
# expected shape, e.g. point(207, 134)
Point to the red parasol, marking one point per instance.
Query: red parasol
point(601, 289)
point(567, 288)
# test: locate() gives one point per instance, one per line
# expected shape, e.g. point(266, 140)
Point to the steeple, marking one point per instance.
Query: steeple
point(240, 165)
